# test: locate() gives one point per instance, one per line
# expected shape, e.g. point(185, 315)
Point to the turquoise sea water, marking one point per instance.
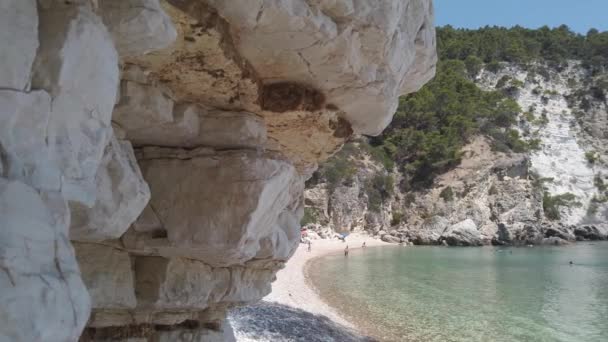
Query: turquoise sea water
point(471, 294)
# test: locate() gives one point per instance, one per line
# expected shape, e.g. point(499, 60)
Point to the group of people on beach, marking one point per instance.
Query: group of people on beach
point(309, 249)
point(346, 249)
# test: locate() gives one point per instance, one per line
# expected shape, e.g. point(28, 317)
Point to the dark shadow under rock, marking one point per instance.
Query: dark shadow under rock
point(268, 321)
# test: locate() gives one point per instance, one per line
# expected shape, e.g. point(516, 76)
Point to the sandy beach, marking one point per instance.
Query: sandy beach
point(293, 294)
point(293, 289)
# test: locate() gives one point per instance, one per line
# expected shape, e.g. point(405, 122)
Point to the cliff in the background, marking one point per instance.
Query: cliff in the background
point(153, 154)
point(489, 152)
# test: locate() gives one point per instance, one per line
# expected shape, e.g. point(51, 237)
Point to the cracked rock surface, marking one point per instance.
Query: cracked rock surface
point(153, 153)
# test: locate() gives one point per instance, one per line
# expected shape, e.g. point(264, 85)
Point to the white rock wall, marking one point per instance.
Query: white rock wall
point(59, 78)
point(90, 90)
point(562, 154)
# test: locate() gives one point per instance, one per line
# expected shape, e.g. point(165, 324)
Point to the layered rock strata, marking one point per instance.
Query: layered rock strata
point(152, 154)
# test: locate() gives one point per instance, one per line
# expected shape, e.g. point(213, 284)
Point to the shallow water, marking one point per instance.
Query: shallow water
point(471, 294)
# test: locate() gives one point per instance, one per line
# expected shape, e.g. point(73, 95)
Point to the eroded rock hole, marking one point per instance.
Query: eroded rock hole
point(341, 128)
point(286, 96)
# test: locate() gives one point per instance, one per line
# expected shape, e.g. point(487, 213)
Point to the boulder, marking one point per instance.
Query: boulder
point(19, 37)
point(589, 233)
point(560, 232)
point(390, 238)
point(78, 66)
point(24, 118)
point(464, 233)
point(122, 195)
point(423, 237)
point(137, 26)
point(42, 297)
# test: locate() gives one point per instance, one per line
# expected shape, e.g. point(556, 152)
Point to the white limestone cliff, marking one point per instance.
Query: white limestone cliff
point(169, 141)
point(506, 195)
point(561, 160)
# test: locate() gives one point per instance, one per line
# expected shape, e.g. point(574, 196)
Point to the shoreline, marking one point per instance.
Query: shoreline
point(293, 287)
point(294, 310)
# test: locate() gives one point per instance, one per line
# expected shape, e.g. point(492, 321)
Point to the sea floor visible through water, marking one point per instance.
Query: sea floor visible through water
point(470, 294)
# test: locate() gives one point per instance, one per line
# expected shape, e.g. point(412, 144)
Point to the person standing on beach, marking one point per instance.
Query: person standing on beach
point(364, 246)
point(346, 251)
point(309, 245)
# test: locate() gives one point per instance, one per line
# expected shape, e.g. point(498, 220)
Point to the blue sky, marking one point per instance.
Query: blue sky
point(579, 15)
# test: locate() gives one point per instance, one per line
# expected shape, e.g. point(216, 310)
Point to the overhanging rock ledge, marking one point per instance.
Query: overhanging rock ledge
point(153, 153)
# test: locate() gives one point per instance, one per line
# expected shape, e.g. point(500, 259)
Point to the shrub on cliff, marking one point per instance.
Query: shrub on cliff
point(338, 170)
point(378, 188)
point(474, 65)
point(447, 194)
point(591, 157)
point(310, 216)
point(552, 204)
point(396, 218)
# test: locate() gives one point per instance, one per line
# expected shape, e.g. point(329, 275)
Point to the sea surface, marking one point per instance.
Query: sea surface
point(470, 294)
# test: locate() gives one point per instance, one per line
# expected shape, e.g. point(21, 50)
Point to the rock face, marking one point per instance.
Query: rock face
point(506, 196)
point(122, 195)
point(491, 190)
point(347, 205)
point(169, 141)
point(53, 305)
point(565, 136)
point(362, 56)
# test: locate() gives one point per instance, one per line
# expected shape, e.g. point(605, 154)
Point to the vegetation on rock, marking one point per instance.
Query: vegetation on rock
point(552, 204)
point(431, 127)
point(310, 216)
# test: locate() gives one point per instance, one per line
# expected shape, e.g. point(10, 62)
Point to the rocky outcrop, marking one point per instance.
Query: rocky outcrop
point(463, 233)
point(346, 206)
point(512, 198)
point(562, 127)
point(489, 191)
point(169, 141)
